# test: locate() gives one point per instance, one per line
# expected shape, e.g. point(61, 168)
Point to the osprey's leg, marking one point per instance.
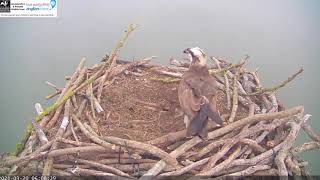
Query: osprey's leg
point(186, 121)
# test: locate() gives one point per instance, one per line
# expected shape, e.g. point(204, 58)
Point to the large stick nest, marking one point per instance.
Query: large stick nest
point(123, 118)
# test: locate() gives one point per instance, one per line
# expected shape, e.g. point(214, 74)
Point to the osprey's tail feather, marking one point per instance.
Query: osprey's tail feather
point(199, 123)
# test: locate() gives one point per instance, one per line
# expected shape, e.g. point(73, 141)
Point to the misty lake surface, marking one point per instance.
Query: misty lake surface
point(279, 36)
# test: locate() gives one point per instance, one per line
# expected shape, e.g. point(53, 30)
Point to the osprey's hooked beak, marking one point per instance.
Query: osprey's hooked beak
point(188, 53)
point(196, 55)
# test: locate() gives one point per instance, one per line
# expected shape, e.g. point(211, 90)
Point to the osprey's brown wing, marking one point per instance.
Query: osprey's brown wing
point(191, 89)
point(198, 87)
point(189, 103)
point(202, 86)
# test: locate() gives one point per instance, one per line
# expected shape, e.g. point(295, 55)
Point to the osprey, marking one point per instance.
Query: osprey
point(197, 95)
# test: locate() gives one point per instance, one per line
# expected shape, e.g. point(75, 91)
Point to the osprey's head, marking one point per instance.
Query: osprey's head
point(196, 55)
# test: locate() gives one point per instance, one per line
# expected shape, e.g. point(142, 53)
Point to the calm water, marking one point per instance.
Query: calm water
point(279, 36)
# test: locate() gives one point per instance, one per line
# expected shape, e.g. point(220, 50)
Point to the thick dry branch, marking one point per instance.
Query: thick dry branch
point(293, 167)
point(168, 138)
point(226, 81)
point(90, 96)
point(52, 85)
point(82, 107)
point(274, 102)
point(93, 123)
point(249, 171)
point(89, 128)
point(167, 73)
point(34, 168)
point(55, 118)
point(42, 136)
point(288, 142)
point(69, 131)
point(234, 97)
point(104, 77)
point(209, 148)
point(72, 130)
point(217, 156)
point(129, 168)
point(75, 143)
point(253, 145)
point(122, 155)
point(178, 63)
point(255, 160)
point(268, 172)
point(121, 68)
point(143, 146)
point(31, 156)
point(125, 160)
point(277, 87)
point(92, 136)
point(76, 150)
point(53, 94)
point(260, 138)
point(306, 147)
point(222, 165)
point(311, 132)
point(103, 167)
point(66, 166)
point(186, 168)
point(74, 102)
point(88, 172)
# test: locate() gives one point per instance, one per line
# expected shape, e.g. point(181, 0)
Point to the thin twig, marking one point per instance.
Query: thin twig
point(277, 87)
